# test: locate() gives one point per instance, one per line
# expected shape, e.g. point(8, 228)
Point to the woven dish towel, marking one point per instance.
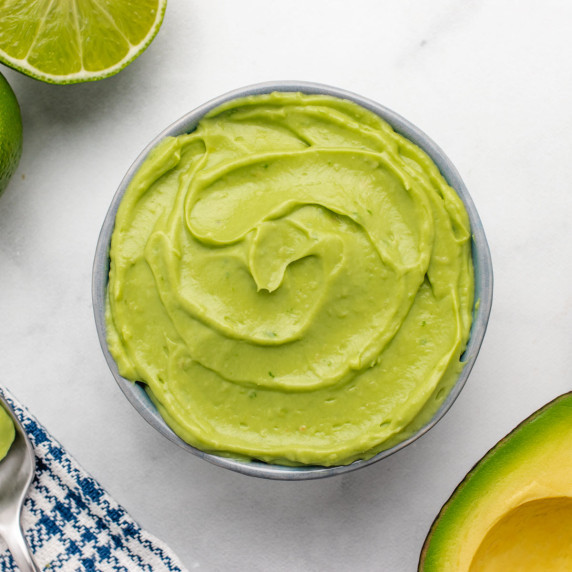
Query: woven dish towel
point(72, 524)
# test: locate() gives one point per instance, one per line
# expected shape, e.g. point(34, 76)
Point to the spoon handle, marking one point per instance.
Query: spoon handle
point(19, 549)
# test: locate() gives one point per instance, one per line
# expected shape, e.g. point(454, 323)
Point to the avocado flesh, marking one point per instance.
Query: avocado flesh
point(513, 511)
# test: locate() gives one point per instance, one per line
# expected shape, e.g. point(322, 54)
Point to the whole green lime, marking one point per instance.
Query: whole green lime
point(10, 133)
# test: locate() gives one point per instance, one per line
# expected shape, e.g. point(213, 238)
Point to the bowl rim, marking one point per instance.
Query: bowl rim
point(482, 263)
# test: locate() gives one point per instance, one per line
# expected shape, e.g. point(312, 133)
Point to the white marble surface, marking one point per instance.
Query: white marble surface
point(491, 82)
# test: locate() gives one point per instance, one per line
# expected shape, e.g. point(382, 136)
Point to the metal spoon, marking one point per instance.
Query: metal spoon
point(16, 475)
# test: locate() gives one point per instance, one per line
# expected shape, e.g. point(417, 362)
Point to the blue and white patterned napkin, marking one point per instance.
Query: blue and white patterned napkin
point(72, 524)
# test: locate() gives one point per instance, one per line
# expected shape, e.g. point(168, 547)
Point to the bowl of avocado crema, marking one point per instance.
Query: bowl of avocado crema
point(292, 282)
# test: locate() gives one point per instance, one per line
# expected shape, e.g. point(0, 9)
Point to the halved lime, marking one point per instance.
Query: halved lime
point(70, 41)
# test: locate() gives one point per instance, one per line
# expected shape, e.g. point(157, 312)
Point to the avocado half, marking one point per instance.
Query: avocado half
point(513, 510)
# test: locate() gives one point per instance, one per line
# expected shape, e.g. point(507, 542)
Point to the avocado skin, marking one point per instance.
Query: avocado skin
point(551, 423)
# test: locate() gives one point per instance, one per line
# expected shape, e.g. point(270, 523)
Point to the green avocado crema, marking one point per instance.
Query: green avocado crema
point(292, 281)
point(7, 432)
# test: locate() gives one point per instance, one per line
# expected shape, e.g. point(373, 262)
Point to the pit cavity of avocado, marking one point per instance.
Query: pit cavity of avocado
point(536, 535)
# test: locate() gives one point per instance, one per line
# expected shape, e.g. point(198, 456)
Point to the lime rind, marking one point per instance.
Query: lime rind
point(100, 54)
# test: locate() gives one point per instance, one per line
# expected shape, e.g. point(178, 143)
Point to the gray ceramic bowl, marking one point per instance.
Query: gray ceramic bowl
point(481, 258)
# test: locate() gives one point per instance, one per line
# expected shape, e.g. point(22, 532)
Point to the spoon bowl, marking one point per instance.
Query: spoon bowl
point(17, 471)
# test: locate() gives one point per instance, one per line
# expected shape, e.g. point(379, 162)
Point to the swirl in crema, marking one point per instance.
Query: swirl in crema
point(292, 281)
